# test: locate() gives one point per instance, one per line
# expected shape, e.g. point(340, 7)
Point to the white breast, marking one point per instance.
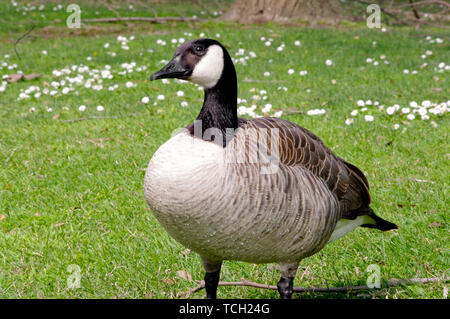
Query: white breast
point(178, 170)
point(228, 210)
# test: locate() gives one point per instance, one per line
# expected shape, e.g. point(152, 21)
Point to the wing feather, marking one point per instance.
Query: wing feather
point(300, 147)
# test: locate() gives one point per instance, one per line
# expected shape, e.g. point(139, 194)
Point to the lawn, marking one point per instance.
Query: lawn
point(71, 172)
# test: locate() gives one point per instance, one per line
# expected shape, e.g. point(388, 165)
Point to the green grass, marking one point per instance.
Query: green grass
point(72, 192)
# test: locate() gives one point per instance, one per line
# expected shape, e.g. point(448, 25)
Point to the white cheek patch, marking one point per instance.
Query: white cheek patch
point(208, 71)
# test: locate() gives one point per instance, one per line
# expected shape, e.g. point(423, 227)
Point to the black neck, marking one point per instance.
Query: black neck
point(219, 109)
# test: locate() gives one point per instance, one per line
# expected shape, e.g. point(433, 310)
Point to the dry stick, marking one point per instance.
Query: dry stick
point(394, 11)
point(147, 19)
point(20, 38)
point(424, 3)
point(413, 8)
point(143, 4)
point(346, 289)
point(110, 8)
point(382, 9)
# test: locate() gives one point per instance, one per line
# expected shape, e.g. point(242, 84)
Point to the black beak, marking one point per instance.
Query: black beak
point(173, 69)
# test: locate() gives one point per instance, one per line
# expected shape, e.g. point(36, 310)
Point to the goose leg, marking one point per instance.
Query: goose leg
point(286, 283)
point(212, 277)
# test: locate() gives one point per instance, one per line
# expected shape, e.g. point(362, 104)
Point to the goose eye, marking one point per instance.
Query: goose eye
point(198, 49)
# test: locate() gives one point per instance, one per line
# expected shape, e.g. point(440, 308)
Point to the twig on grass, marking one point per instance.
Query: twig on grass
point(413, 8)
point(20, 38)
point(147, 19)
point(345, 289)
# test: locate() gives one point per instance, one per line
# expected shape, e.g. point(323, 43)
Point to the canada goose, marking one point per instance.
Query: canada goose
point(261, 190)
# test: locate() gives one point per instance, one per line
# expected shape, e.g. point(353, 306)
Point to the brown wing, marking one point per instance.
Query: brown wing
point(298, 146)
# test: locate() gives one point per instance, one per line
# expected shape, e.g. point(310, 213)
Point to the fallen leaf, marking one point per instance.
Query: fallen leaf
point(21, 76)
point(168, 281)
point(186, 252)
point(31, 76)
point(15, 77)
point(435, 225)
point(184, 275)
point(140, 124)
point(59, 224)
point(2, 217)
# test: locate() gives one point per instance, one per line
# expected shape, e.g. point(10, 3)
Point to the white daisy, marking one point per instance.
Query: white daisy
point(368, 118)
point(390, 110)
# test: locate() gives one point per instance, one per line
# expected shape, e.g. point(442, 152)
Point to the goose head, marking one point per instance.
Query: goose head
point(207, 63)
point(201, 61)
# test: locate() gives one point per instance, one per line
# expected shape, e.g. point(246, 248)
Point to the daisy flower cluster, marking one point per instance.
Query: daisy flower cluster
point(430, 39)
point(3, 83)
point(76, 77)
point(315, 112)
point(29, 7)
point(424, 111)
point(124, 45)
point(442, 67)
point(376, 62)
point(123, 42)
point(259, 106)
point(269, 41)
point(173, 41)
point(162, 97)
point(5, 65)
point(240, 57)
